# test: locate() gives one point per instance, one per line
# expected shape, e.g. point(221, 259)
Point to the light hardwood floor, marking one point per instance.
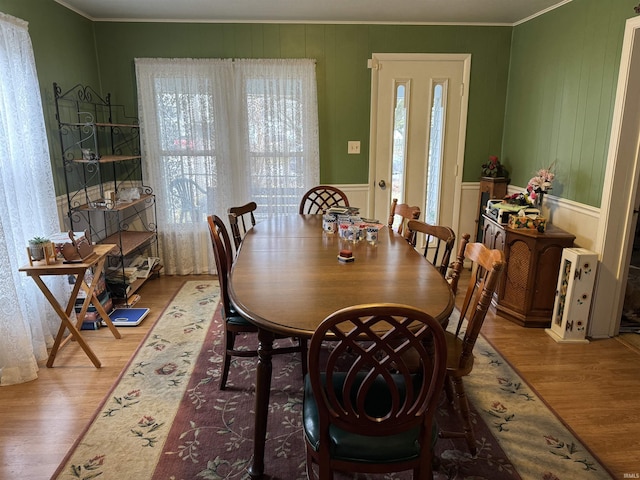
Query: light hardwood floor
point(595, 388)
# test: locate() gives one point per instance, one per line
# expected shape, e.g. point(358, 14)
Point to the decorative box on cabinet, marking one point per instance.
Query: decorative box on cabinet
point(490, 188)
point(573, 296)
point(526, 293)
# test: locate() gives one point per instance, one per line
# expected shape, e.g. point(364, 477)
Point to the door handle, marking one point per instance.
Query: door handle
point(382, 184)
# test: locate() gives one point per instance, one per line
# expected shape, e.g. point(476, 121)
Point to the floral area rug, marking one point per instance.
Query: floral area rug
point(167, 419)
point(125, 439)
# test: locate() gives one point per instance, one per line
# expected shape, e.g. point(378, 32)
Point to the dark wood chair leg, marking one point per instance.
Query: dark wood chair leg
point(426, 466)
point(229, 341)
point(448, 390)
point(310, 474)
point(463, 405)
point(303, 355)
point(435, 463)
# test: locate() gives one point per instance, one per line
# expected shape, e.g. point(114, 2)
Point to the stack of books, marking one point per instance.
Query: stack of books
point(120, 278)
point(120, 315)
point(126, 275)
point(145, 266)
point(92, 319)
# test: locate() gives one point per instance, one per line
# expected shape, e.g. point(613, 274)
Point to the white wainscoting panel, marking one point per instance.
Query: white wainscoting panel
point(468, 208)
point(578, 219)
point(358, 195)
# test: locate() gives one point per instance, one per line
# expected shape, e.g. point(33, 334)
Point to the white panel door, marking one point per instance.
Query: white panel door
point(418, 127)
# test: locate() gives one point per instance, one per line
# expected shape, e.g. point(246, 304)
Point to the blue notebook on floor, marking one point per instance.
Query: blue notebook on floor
point(128, 317)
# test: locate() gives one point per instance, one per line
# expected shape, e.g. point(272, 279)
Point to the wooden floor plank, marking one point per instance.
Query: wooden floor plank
point(594, 387)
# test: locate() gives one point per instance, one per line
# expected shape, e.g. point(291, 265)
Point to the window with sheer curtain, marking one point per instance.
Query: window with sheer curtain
point(218, 133)
point(28, 205)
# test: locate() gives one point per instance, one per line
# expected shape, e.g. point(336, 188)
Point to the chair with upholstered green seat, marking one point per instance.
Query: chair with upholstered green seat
point(366, 409)
point(234, 323)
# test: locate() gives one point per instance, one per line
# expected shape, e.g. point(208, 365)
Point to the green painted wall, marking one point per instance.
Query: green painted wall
point(64, 51)
point(562, 85)
point(557, 75)
point(344, 81)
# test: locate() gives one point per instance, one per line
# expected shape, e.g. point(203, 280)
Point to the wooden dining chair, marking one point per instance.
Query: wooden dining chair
point(456, 270)
point(234, 323)
point(319, 198)
point(487, 266)
point(365, 409)
point(406, 213)
point(241, 219)
point(438, 243)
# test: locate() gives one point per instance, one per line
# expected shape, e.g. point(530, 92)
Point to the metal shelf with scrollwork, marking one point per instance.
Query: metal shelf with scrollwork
point(100, 155)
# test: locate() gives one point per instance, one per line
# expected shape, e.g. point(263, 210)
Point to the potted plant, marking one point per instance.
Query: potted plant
point(36, 247)
point(493, 168)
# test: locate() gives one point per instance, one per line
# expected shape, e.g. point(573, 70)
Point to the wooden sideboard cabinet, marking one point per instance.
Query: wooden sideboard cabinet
point(527, 290)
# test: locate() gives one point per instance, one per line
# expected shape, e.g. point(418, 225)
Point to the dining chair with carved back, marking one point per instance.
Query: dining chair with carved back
point(241, 219)
point(438, 243)
point(486, 268)
point(234, 322)
point(322, 197)
point(405, 213)
point(365, 409)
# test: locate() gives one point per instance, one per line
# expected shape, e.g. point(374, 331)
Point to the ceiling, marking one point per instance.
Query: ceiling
point(501, 12)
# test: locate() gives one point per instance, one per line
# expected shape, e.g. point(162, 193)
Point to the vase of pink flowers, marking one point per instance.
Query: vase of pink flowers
point(540, 184)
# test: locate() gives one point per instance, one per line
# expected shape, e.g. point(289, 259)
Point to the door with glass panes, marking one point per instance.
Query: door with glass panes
point(419, 105)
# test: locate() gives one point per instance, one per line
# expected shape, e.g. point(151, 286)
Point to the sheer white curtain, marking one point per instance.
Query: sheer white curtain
point(278, 131)
point(28, 206)
point(218, 133)
point(183, 105)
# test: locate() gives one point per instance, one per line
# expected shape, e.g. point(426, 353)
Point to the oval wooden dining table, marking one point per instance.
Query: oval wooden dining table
point(287, 279)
